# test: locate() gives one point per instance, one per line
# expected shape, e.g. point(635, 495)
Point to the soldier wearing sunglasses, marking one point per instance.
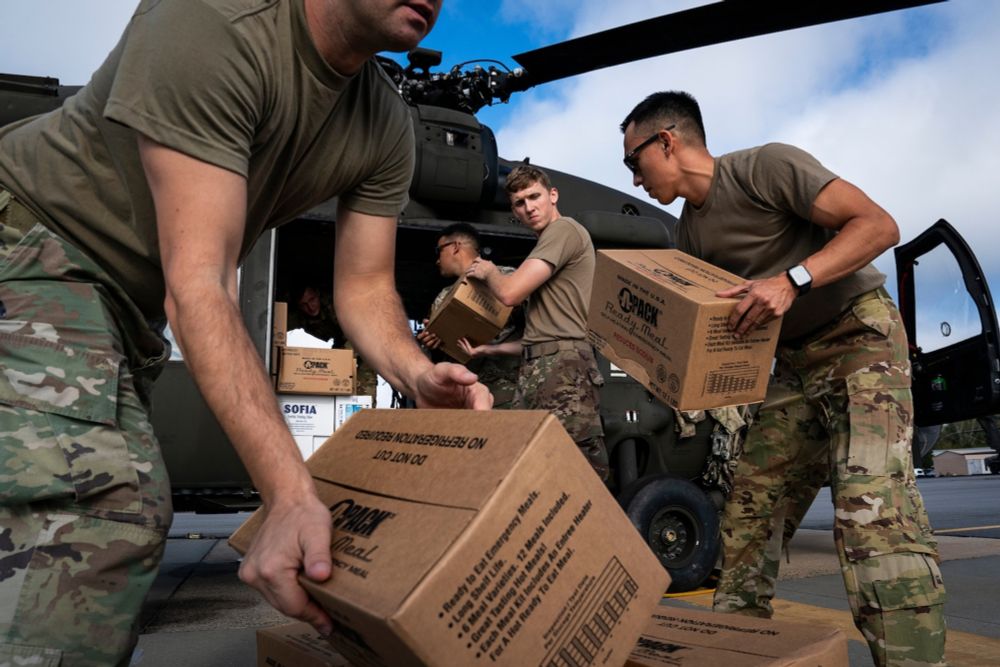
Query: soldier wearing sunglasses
point(804, 240)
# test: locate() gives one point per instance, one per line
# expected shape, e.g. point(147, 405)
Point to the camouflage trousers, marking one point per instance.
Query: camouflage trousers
point(839, 407)
point(499, 374)
point(563, 378)
point(367, 382)
point(84, 498)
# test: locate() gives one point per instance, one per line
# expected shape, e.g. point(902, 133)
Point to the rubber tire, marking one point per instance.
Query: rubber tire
point(664, 505)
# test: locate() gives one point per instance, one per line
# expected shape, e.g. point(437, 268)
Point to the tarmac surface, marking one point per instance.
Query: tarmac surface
point(198, 614)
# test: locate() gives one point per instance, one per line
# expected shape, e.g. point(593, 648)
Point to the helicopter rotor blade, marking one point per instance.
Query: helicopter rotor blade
point(700, 26)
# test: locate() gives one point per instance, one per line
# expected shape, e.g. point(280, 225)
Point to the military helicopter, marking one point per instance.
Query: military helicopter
point(672, 488)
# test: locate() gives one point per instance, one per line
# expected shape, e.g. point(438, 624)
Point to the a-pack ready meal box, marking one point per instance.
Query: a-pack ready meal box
point(469, 311)
point(677, 637)
point(295, 645)
point(654, 314)
point(307, 370)
point(475, 538)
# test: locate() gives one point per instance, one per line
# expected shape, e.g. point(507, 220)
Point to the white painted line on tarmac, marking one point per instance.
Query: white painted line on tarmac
point(965, 530)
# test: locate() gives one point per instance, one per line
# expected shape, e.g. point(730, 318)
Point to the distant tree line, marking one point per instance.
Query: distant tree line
point(981, 432)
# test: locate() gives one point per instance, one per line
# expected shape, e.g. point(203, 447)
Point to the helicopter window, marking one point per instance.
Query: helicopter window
point(946, 312)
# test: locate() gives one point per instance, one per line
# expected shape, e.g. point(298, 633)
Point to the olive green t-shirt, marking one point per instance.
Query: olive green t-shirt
point(755, 223)
point(558, 309)
point(235, 83)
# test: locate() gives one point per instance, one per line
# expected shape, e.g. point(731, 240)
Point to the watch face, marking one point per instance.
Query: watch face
point(799, 275)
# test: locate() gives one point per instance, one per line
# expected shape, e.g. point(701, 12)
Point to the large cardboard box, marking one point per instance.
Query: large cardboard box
point(469, 311)
point(306, 370)
point(677, 637)
point(295, 645)
point(464, 537)
point(654, 314)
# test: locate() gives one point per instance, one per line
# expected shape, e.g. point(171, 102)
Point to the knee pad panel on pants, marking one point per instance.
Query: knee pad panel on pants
point(898, 601)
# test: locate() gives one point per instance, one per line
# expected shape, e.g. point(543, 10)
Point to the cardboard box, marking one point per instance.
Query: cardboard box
point(469, 311)
point(306, 414)
point(465, 537)
point(347, 406)
point(654, 314)
point(306, 370)
point(295, 645)
point(681, 637)
point(279, 328)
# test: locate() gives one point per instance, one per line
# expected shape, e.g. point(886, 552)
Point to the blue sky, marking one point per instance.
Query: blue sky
point(904, 105)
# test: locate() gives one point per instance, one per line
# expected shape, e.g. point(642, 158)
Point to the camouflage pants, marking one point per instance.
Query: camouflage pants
point(844, 412)
point(367, 382)
point(84, 498)
point(499, 374)
point(566, 382)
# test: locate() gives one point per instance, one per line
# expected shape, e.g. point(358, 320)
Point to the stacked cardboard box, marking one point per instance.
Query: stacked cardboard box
point(677, 637)
point(464, 537)
point(313, 419)
point(315, 386)
point(655, 314)
point(674, 637)
point(469, 311)
point(304, 370)
point(295, 645)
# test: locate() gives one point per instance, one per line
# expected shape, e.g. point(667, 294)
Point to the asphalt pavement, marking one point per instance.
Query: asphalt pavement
point(198, 614)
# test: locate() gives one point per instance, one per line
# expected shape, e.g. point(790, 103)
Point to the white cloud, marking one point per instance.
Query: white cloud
point(905, 109)
point(919, 132)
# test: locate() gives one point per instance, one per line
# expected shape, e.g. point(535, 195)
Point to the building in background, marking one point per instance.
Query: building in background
point(963, 461)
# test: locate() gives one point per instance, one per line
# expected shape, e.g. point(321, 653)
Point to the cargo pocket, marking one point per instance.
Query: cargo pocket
point(880, 426)
point(58, 421)
point(596, 378)
point(18, 654)
point(919, 587)
point(900, 594)
point(874, 314)
point(593, 372)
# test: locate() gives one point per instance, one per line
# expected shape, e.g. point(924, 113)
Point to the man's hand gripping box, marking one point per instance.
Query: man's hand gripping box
point(475, 538)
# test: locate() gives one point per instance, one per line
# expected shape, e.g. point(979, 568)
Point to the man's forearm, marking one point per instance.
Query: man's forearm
point(234, 383)
point(510, 348)
point(373, 319)
point(499, 285)
point(854, 247)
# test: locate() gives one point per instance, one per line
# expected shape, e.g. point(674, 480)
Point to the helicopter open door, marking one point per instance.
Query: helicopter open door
point(951, 324)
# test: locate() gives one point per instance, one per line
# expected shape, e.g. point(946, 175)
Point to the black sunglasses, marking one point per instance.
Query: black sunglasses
point(438, 249)
point(631, 158)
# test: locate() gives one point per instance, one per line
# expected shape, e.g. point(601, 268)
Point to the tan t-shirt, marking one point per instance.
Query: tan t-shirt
point(755, 223)
point(235, 83)
point(558, 309)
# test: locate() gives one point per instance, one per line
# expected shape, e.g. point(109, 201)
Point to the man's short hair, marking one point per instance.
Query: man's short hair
point(297, 288)
point(462, 231)
point(524, 176)
point(662, 109)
